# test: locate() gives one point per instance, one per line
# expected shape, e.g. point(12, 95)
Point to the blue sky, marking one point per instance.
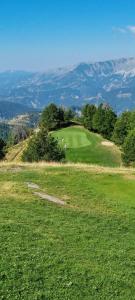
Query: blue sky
point(46, 34)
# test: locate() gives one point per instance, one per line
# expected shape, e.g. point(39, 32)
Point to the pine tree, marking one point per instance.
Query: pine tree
point(50, 117)
point(42, 146)
point(121, 129)
point(128, 148)
point(88, 113)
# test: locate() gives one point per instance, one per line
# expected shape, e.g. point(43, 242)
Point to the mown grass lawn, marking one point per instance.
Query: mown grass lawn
point(86, 147)
point(84, 250)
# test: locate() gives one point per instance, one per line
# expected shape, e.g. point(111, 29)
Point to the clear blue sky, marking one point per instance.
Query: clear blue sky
point(44, 34)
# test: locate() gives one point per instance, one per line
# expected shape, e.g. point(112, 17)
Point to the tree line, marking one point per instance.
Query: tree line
point(119, 129)
point(99, 119)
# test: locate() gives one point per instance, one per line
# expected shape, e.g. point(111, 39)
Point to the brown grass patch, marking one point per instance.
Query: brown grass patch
point(107, 143)
point(10, 166)
point(129, 176)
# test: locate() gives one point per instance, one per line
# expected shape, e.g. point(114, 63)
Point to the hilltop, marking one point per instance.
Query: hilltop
point(87, 147)
point(82, 146)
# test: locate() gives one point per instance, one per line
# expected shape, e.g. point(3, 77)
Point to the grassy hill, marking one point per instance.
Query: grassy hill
point(87, 147)
point(83, 250)
point(82, 147)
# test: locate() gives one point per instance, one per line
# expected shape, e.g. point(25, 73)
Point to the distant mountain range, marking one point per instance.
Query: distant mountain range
point(111, 81)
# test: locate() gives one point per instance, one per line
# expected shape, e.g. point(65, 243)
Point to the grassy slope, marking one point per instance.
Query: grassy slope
point(84, 146)
point(15, 152)
point(84, 250)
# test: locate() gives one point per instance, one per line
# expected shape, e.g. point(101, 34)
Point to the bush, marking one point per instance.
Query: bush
point(128, 155)
point(42, 146)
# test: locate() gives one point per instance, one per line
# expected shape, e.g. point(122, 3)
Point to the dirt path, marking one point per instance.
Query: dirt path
point(44, 196)
point(49, 198)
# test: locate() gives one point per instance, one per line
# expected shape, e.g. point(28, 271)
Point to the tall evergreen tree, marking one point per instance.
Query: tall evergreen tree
point(104, 120)
point(54, 117)
point(98, 119)
point(128, 148)
point(50, 117)
point(60, 117)
point(122, 127)
point(109, 123)
point(88, 113)
point(68, 115)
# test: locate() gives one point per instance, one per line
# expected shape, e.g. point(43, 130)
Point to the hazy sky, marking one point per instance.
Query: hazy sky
point(44, 34)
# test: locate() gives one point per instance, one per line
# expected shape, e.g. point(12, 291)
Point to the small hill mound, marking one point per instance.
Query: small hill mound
point(81, 146)
point(87, 147)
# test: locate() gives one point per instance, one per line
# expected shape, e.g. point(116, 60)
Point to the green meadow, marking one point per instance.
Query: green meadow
point(86, 147)
point(83, 250)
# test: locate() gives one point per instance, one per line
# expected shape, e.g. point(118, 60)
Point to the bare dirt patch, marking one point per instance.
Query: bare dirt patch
point(49, 198)
point(107, 143)
point(44, 196)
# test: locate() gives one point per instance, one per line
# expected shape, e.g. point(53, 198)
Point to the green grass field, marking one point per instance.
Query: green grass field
point(82, 146)
point(84, 250)
point(86, 147)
